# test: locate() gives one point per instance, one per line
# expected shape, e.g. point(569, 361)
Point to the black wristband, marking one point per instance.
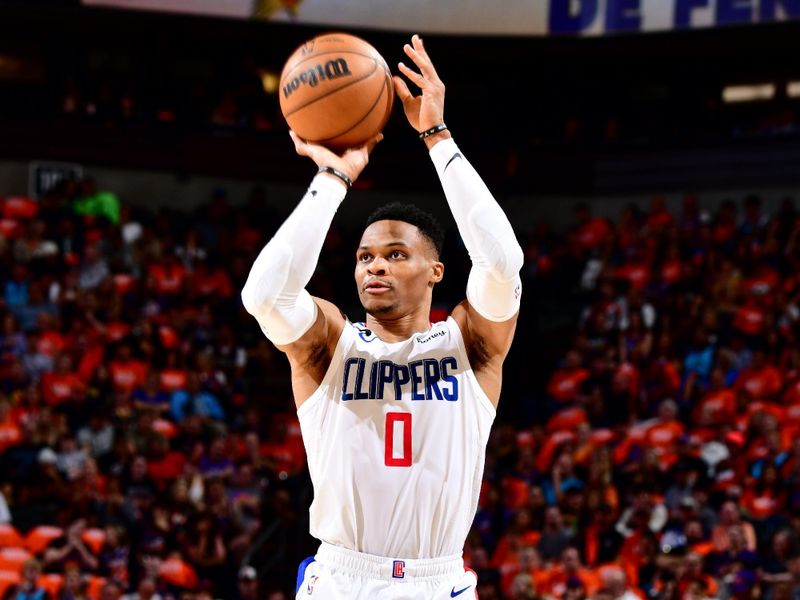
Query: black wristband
point(432, 130)
point(347, 181)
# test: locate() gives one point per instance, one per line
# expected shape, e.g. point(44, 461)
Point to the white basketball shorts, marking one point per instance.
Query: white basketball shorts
point(339, 574)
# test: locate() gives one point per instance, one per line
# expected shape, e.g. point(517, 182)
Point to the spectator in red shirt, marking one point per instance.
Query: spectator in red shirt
point(750, 318)
point(592, 232)
point(284, 455)
point(658, 219)
point(663, 435)
point(717, 405)
point(127, 372)
point(565, 382)
point(724, 226)
point(761, 380)
point(168, 277)
point(210, 279)
point(63, 384)
point(173, 376)
point(555, 584)
point(164, 464)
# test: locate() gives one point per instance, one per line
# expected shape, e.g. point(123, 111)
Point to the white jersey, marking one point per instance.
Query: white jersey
point(396, 439)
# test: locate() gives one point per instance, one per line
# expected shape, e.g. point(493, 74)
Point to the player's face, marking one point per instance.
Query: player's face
point(396, 268)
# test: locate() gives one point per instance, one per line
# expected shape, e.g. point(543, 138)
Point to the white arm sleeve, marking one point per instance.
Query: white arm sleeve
point(275, 291)
point(494, 284)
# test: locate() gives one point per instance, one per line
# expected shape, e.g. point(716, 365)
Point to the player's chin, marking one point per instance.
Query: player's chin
point(378, 306)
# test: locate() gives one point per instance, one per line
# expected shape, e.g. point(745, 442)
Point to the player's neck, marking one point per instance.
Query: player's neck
point(397, 329)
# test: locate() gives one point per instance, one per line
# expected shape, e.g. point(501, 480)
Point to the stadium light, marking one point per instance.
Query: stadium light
point(748, 93)
point(793, 89)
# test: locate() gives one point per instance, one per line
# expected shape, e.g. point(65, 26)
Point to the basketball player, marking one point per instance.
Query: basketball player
point(395, 411)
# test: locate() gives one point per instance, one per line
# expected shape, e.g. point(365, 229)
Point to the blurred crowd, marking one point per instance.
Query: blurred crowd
point(147, 444)
point(149, 447)
point(666, 462)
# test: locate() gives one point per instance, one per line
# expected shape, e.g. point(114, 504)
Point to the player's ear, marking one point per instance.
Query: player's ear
point(437, 272)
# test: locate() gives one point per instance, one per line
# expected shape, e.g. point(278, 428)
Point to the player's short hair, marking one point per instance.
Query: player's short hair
point(425, 222)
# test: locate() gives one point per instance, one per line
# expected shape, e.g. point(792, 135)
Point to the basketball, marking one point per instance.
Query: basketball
point(336, 90)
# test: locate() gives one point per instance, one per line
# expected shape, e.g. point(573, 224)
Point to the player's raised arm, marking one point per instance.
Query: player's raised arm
point(275, 291)
point(494, 286)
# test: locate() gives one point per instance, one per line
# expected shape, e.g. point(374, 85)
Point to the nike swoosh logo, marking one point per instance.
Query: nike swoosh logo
point(454, 593)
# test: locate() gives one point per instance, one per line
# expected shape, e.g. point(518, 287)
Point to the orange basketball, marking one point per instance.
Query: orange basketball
point(336, 90)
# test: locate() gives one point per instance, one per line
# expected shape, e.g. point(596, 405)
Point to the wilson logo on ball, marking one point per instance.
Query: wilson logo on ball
point(332, 69)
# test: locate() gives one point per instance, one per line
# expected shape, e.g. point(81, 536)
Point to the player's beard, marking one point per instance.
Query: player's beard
point(379, 310)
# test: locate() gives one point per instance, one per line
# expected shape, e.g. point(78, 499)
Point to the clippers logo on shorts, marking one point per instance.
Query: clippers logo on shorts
point(399, 569)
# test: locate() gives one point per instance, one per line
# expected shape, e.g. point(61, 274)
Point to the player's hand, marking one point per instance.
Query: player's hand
point(351, 162)
point(427, 109)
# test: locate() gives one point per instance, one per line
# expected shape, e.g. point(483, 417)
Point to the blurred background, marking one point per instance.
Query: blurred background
point(648, 155)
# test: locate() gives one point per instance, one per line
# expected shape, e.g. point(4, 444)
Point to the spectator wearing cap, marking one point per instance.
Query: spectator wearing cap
point(247, 584)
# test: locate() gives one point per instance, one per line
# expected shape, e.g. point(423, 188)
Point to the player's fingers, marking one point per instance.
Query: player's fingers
point(299, 144)
point(416, 78)
point(401, 89)
point(420, 57)
point(374, 141)
point(411, 73)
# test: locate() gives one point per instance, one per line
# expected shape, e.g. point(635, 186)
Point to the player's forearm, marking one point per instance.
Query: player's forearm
point(275, 289)
point(494, 284)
